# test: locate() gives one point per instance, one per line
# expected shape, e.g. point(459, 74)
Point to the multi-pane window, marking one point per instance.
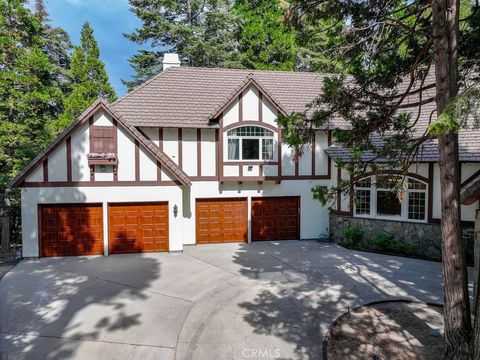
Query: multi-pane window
point(391, 197)
point(250, 143)
point(417, 196)
point(363, 196)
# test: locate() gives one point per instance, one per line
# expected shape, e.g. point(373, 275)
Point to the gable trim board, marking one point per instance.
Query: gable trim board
point(250, 80)
point(100, 103)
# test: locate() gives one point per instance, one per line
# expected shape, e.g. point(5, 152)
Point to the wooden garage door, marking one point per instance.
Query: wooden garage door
point(137, 227)
point(71, 229)
point(276, 218)
point(221, 220)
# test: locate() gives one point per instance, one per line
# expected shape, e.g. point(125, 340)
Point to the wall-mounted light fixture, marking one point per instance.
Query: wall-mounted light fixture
point(175, 210)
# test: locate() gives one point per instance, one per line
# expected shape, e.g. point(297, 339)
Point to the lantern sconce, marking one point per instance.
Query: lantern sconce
point(175, 210)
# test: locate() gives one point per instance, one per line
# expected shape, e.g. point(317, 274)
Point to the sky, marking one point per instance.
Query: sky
point(109, 19)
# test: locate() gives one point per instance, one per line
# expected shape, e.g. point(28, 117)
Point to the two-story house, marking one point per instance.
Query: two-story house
point(195, 156)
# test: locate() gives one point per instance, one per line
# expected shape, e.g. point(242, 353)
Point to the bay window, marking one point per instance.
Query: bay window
point(250, 143)
point(378, 197)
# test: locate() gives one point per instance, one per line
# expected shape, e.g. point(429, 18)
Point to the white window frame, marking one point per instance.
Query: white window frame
point(404, 204)
point(260, 145)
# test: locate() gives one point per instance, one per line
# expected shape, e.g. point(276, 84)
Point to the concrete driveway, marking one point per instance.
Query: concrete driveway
point(271, 300)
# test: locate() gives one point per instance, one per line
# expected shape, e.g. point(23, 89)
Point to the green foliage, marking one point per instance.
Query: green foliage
point(29, 95)
point(402, 247)
point(201, 32)
point(385, 242)
point(265, 41)
point(352, 237)
point(89, 79)
point(382, 242)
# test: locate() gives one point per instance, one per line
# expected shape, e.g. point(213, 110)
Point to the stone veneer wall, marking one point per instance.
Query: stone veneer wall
point(426, 238)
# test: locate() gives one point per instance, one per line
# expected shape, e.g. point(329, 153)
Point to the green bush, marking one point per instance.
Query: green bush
point(403, 248)
point(382, 242)
point(352, 237)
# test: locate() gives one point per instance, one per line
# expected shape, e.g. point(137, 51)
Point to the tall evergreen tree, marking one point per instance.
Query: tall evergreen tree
point(200, 31)
point(89, 79)
point(265, 41)
point(29, 95)
point(57, 45)
point(387, 44)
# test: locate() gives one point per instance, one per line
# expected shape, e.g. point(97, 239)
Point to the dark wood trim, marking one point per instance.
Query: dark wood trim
point(240, 107)
point(137, 161)
point(92, 173)
point(430, 193)
point(246, 162)
point(204, 178)
point(260, 170)
point(68, 144)
point(329, 138)
point(180, 148)
point(160, 139)
point(87, 117)
point(250, 178)
point(240, 171)
point(45, 170)
point(313, 155)
point(199, 152)
point(240, 91)
point(249, 122)
point(99, 183)
point(339, 193)
point(260, 106)
point(470, 178)
point(305, 177)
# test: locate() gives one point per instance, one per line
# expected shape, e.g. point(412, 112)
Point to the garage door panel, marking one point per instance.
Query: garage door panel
point(138, 227)
point(71, 229)
point(221, 220)
point(275, 218)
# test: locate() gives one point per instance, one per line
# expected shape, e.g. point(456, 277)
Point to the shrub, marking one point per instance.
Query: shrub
point(403, 247)
point(382, 242)
point(352, 237)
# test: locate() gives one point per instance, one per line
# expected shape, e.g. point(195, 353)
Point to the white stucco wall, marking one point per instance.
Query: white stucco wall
point(57, 164)
point(126, 156)
point(209, 152)
point(80, 148)
point(313, 222)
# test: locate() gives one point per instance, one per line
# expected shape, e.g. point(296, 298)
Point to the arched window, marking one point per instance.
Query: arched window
point(379, 197)
point(250, 143)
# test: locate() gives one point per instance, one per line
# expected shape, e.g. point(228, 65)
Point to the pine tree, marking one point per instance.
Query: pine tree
point(200, 31)
point(387, 44)
point(265, 41)
point(29, 95)
point(89, 79)
point(57, 46)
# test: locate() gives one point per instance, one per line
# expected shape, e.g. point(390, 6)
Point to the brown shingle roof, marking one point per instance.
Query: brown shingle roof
point(190, 97)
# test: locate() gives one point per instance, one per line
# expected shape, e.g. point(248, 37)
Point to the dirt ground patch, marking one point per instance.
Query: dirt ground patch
point(388, 330)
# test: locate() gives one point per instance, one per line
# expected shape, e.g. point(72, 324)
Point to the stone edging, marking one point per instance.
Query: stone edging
point(335, 322)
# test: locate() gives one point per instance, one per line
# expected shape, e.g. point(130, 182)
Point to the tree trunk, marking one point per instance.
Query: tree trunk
point(458, 326)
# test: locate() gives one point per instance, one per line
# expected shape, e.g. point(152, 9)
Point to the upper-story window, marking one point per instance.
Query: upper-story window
point(376, 197)
point(250, 143)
